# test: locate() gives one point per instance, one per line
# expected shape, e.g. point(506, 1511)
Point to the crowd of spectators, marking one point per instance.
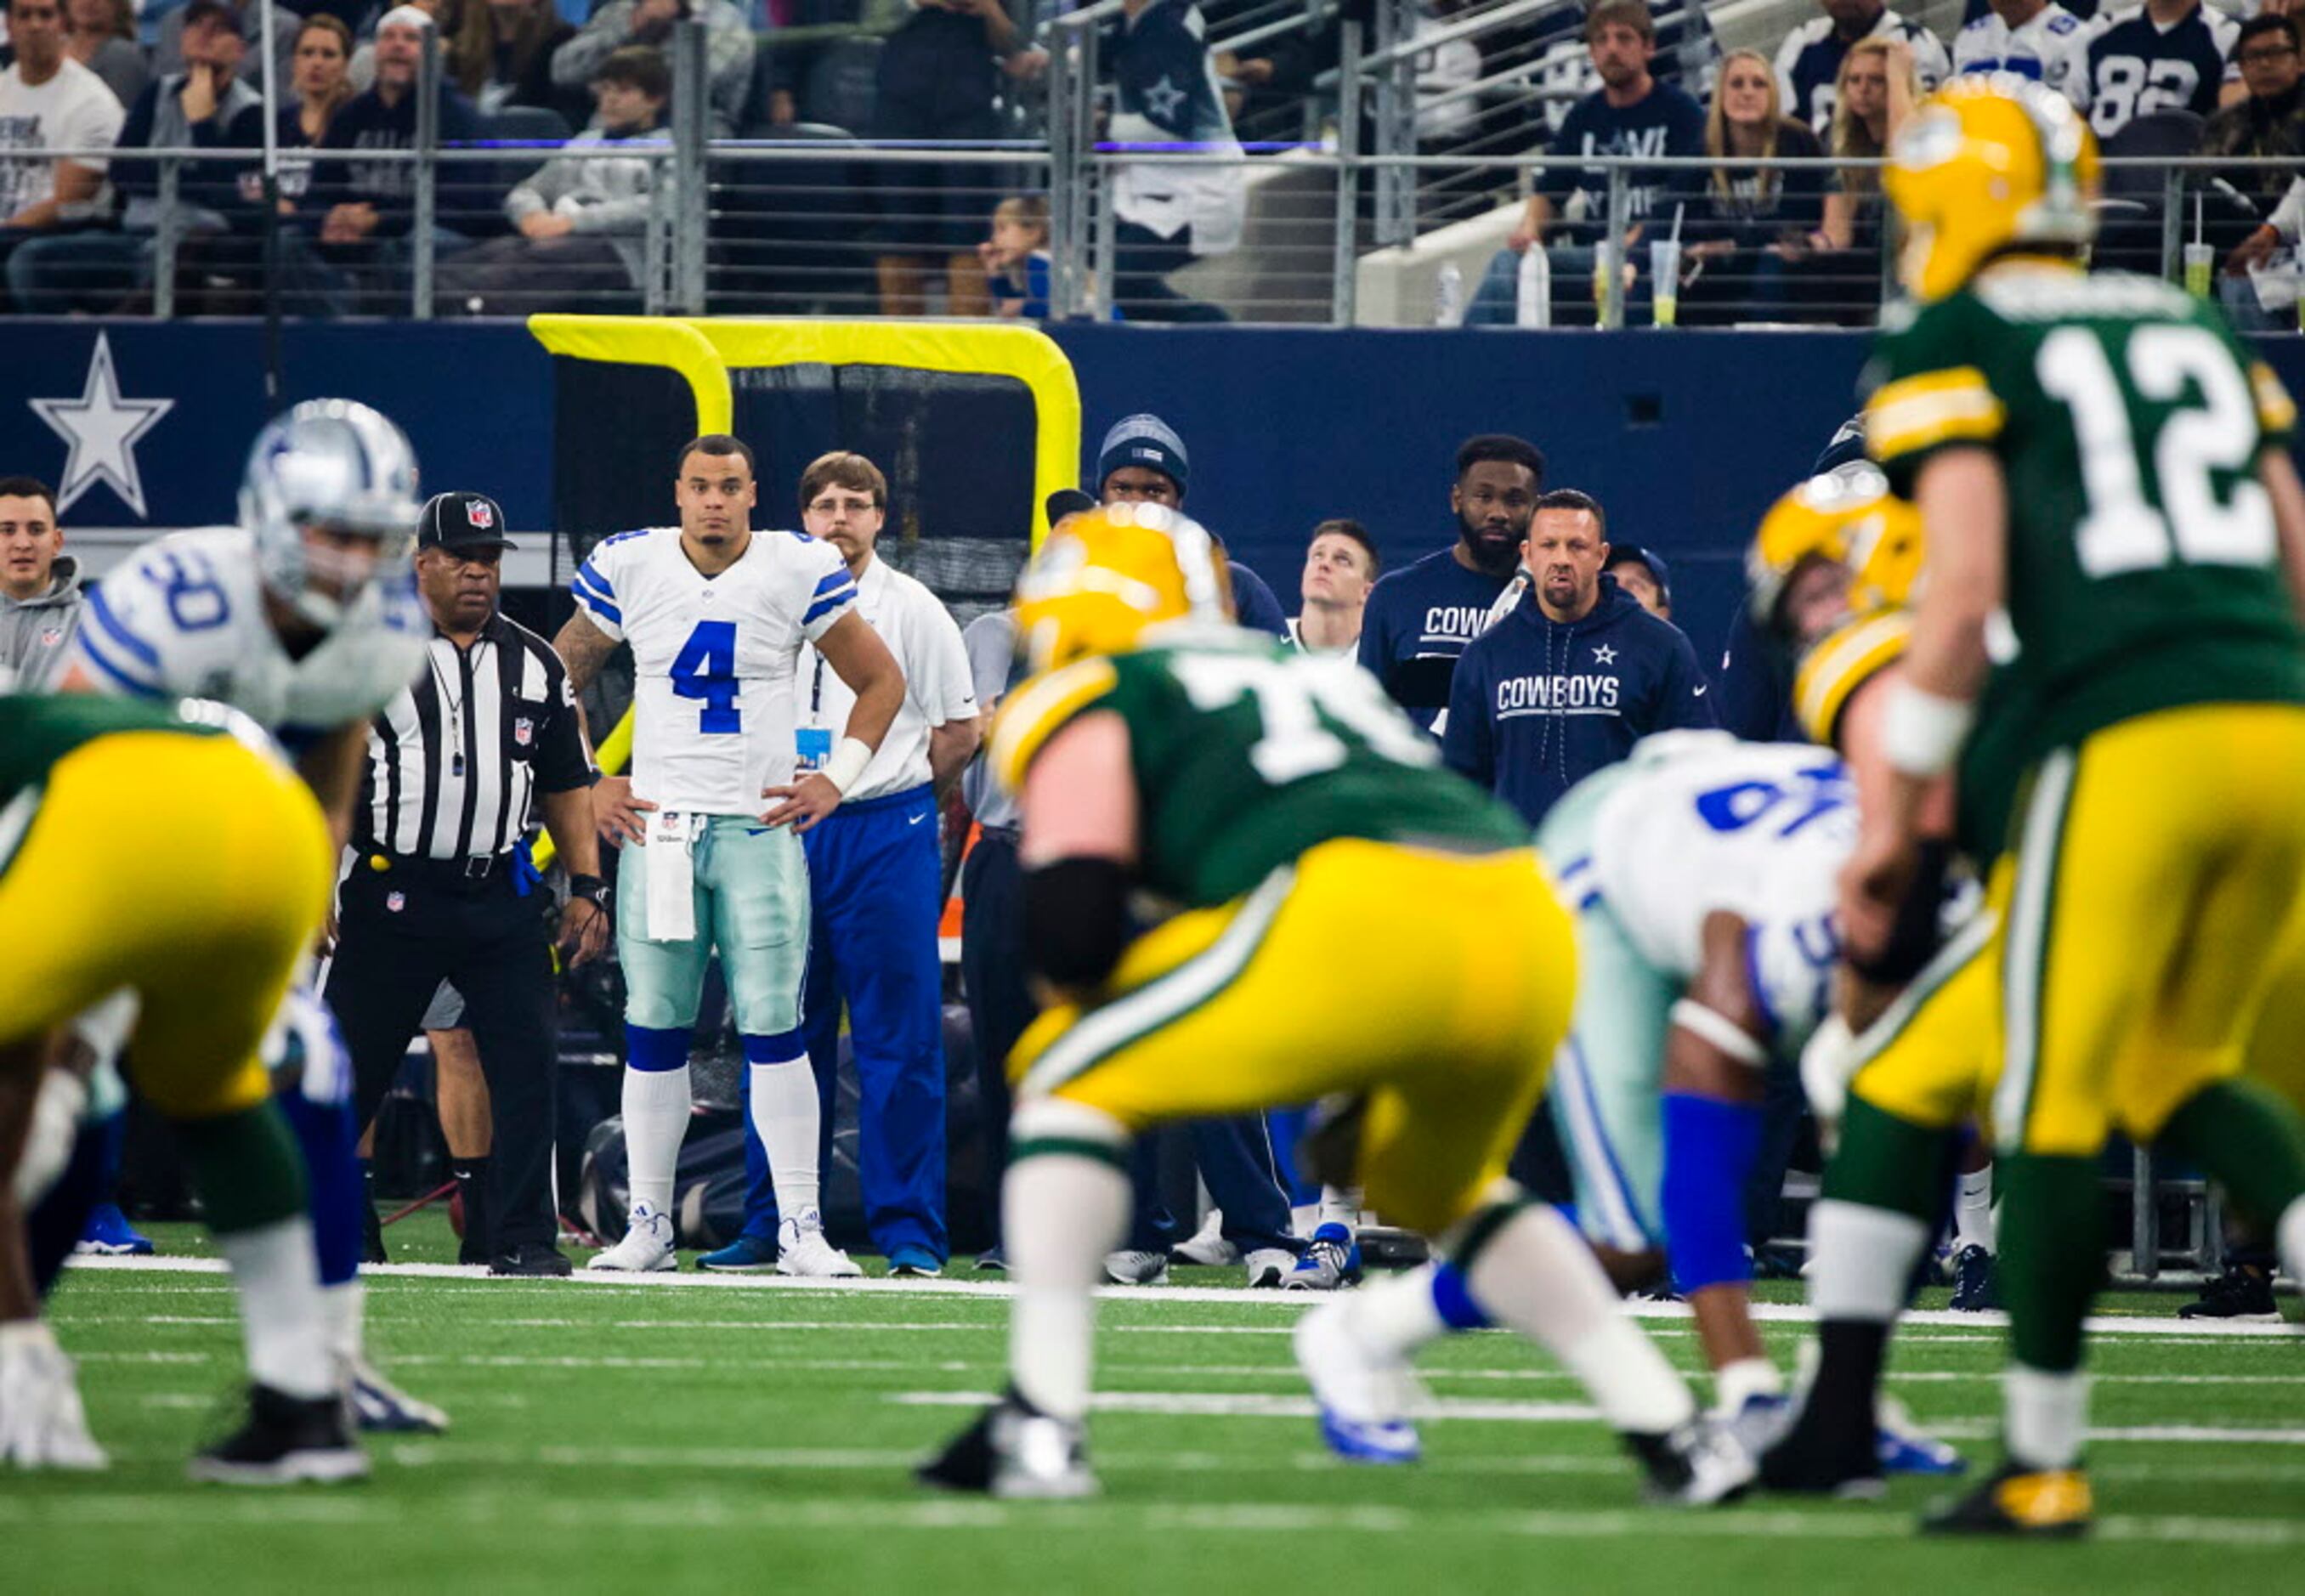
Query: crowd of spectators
point(2161, 78)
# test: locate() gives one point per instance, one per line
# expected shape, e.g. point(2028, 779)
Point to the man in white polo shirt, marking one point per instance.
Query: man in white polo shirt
point(876, 885)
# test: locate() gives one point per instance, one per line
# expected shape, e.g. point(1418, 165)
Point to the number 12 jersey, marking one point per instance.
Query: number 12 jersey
point(2144, 570)
point(714, 657)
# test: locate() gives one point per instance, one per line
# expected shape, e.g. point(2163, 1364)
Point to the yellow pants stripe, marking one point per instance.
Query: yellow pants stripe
point(1103, 1031)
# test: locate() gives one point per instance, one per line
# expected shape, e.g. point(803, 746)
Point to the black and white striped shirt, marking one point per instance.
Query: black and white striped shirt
point(455, 760)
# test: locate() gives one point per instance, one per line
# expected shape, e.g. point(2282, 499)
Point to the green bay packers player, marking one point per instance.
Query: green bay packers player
point(1349, 919)
point(2107, 648)
point(155, 852)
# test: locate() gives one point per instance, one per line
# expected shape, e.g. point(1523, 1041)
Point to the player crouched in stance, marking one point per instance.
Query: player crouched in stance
point(305, 617)
point(1340, 903)
point(167, 854)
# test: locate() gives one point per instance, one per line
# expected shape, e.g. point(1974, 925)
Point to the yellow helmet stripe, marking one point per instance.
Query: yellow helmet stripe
point(2277, 411)
point(1842, 662)
point(1916, 412)
point(1034, 711)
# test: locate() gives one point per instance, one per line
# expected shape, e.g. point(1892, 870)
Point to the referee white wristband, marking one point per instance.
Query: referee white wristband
point(847, 763)
point(1922, 733)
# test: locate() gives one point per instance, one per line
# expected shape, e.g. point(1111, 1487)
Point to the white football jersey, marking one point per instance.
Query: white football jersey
point(1706, 824)
point(2049, 48)
point(185, 618)
point(714, 657)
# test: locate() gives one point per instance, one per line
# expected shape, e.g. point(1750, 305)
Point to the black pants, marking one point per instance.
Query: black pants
point(1142, 262)
point(401, 933)
point(1000, 1004)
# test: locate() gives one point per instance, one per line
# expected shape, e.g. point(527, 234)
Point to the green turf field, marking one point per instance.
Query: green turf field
point(653, 1436)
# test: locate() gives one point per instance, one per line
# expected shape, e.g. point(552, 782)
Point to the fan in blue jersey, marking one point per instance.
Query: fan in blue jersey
point(1808, 62)
point(2166, 55)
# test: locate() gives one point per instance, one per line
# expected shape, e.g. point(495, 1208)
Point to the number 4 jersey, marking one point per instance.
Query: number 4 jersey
point(2144, 570)
point(714, 657)
point(1246, 754)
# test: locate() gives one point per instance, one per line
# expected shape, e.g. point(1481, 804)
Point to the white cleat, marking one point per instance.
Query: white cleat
point(1364, 1399)
point(383, 1408)
point(1130, 1267)
point(1207, 1245)
point(1268, 1266)
point(1699, 1464)
point(803, 1251)
point(648, 1245)
point(42, 1424)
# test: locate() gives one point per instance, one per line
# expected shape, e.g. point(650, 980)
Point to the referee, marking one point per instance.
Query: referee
point(456, 763)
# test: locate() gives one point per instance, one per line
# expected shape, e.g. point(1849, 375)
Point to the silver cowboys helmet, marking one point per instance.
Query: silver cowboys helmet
point(336, 464)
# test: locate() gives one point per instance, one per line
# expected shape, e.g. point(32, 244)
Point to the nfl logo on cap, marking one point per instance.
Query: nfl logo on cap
point(482, 514)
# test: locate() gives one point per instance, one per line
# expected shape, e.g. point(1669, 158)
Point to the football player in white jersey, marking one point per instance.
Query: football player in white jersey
point(716, 615)
point(305, 616)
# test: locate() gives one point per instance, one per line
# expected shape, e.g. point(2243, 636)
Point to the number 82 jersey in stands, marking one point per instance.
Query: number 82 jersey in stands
point(1246, 754)
point(714, 657)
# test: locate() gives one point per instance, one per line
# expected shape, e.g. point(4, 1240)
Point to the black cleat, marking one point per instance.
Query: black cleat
point(532, 1260)
point(2028, 1504)
point(1014, 1450)
point(1811, 1459)
point(1973, 1288)
point(286, 1440)
point(2242, 1294)
point(1699, 1464)
point(372, 1234)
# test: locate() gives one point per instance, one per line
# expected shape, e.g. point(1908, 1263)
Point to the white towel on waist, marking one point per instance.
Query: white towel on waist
point(672, 875)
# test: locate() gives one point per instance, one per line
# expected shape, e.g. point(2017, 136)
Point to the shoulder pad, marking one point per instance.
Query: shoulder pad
point(1034, 712)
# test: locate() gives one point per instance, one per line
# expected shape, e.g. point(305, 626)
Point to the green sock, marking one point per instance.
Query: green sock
point(1887, 1162)
point(2052, 1255)
point(246, 1167)
point(2247, 1138)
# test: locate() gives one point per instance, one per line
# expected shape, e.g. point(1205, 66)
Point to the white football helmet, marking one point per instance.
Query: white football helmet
point(337, 463)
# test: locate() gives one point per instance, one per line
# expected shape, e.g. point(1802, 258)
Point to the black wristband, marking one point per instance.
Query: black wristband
point(590, 888)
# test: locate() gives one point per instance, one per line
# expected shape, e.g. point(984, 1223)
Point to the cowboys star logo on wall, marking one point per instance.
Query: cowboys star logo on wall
point(102, 429)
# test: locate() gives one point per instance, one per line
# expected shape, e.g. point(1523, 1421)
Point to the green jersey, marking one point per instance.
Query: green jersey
point(36, 730)
point(1247, 753)
point(2143, 571)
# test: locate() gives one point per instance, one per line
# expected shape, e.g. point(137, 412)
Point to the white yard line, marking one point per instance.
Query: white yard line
point(1290, 1301)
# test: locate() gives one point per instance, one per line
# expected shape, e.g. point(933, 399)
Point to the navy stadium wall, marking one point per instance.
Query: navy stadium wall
point(1685, 437)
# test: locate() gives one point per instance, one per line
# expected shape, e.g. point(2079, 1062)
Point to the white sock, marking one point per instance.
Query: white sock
point(1340, 1205)
point(343, 1314)
point(1392, 1319)
point(1861, 1259)
point(2289, 1239)
point(2045, 1415)
point(277, 1275)
point(1737, 1383)
point(1060, 1213)
point(657, 1105)
point(1303, 1218)
point(1537, 1275)
point(786, 1118)
point(1972, 1212)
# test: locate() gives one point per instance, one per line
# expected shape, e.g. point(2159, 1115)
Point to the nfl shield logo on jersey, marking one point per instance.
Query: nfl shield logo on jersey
point(482, 514)
point(396, 901)
point(522, 730)
point(50, 638)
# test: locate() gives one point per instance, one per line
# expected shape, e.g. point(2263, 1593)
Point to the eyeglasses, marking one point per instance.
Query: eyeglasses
point(2267, 56)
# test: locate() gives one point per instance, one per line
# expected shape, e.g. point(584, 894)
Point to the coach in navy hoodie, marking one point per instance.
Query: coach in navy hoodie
point(1572, 675)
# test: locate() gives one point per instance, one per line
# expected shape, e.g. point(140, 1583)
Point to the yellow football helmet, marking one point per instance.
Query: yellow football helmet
point(1987, 161)
point(1104, 576)
point(1847, 516)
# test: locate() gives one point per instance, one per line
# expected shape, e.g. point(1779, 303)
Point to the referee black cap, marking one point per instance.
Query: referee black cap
point(461, 521)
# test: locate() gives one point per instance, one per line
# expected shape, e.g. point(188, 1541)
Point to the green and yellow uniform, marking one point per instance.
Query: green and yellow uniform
point(1353, 918)
point(151, 849)
point(2139, 747)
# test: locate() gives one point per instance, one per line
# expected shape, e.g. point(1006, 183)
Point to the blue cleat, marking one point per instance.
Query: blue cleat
point(108, 1234)
point(746, 1255)
point(912, 1261)
point(1332, 1260)
point(1390, 1441)
point(1904, 1447)
point(1363, 1400)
